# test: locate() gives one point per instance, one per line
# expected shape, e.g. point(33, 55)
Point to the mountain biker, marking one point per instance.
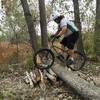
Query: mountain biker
point(70, 34)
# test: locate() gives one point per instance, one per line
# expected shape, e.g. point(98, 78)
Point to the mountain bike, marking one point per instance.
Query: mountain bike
point(44, 58)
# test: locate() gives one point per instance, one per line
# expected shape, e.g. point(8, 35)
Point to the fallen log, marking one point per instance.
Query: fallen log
point(85, 89)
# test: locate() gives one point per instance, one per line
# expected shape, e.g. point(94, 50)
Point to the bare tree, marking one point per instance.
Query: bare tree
point(43, 23)
point(30, 24)
point(78, 24)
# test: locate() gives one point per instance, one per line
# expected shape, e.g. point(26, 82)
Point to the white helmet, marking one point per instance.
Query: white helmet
point(55, 15)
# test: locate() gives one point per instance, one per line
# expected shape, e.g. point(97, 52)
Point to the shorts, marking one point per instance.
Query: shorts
point(70, 40)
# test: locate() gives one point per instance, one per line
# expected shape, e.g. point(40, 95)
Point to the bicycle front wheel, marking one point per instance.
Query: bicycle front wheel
point(79, 61)
point(44, 58)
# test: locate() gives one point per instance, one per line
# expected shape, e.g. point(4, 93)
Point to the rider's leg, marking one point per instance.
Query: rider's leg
point(70, 52)
point(62, 47)
point(61, 53)
point(66, 42)
point(70, 58)
point(70, 41)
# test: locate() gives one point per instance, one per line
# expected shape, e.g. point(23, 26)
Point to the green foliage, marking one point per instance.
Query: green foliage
point(14, 20)
point(2, 37)
point(13, 59)
point(29, 62)
point(4, 69)
point(15, 23)
point(1, 96)
point(97, 31)
point(89, 43)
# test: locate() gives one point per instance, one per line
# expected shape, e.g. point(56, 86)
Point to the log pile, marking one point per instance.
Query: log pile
point(37, 77)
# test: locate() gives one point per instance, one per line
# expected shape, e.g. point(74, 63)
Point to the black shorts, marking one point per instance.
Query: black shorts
point(70, 40)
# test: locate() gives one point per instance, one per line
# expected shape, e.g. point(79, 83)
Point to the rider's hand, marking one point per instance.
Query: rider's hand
point(52, 36)
point(58, 36)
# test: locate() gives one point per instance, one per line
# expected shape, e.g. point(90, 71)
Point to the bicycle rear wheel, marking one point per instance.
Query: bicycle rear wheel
point(44, 58)
point(79, 61)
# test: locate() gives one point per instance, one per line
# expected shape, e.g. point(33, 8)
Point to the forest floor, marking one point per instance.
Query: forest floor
point(13, 86)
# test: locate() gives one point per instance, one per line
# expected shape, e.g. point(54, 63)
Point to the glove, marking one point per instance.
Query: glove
point(52, 36)
point(58, 36)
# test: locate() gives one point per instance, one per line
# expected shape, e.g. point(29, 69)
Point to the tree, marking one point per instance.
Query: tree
point(43, 23)
point(78, 24)
point(97, 29)
point(30, 24)
point(13, 17)
point(77, 14)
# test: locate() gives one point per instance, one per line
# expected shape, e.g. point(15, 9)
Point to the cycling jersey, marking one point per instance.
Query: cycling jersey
point(71, 28)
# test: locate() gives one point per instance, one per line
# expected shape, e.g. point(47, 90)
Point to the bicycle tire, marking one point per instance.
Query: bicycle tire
point(79, 61)
point(43, 52)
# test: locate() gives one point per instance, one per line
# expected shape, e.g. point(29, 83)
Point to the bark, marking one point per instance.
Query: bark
point(86, 90)
point(78, 24)
point(29, 79)
point(43, 23)
point(97, 29)
point(30, 24)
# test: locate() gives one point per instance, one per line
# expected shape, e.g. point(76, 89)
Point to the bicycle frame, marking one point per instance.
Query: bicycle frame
point(54, 52)
point(54, 47)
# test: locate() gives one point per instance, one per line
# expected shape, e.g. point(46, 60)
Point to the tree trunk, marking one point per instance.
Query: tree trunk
point(43, 23)
point(78, 24)
point(86, 90)
point(97, 29)
point(30, 24)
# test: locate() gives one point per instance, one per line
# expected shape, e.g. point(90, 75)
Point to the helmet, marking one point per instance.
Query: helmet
point(55, 15)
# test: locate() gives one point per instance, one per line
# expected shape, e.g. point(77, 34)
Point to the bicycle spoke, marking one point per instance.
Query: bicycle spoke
point(44, 58)
point(79, 61)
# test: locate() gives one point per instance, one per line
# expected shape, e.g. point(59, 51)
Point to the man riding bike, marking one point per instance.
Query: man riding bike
point(70, 34)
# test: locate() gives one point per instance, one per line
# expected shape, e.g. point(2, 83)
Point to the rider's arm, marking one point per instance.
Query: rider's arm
point(63, 30)
point(59, 29)
point(57, 32)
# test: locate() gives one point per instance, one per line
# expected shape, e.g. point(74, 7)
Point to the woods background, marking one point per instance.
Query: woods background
point(25, 26)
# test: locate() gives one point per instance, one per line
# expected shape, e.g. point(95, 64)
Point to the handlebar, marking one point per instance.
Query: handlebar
point(53, 39)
